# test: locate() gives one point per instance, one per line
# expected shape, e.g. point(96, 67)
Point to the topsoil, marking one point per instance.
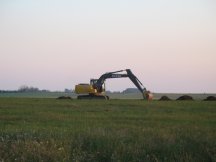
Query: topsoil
point(210, 98)
point(185, 97)
point(64, 97)
point(164, 98)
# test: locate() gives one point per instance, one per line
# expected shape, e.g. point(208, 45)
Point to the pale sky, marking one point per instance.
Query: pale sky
point(170, 45)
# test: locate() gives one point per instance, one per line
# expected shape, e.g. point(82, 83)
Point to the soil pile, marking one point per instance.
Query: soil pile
point(64, 97)
point(210, 98)
point(164, 98)
point(185, 97)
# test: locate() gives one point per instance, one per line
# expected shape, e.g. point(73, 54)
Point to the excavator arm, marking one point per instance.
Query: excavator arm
point(99, 83)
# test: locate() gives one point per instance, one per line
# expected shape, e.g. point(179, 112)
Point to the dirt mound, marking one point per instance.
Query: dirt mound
point(164, 98)
point(210, 98)
point(185, 97)
point(64, 97)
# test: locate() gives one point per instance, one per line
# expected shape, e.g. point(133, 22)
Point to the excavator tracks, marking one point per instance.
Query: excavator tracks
point(92, 97)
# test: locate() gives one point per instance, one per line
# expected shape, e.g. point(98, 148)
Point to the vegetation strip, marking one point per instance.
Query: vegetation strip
point(115, 130)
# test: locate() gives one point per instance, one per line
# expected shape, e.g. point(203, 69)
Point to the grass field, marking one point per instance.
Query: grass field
point(114, 130)
point(173, 96)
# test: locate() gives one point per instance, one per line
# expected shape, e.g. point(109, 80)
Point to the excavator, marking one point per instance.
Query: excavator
point(96, 88)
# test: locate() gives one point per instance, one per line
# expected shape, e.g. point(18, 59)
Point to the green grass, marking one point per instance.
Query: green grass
point(173, 96)
point(34, 129)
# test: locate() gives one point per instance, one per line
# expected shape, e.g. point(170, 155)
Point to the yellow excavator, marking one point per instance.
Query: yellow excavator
point(96, 88)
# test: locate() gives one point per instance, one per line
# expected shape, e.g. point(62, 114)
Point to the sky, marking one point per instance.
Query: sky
point(169, 45)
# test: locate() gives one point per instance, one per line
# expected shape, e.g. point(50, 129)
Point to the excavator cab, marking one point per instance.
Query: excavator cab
point(100, 89)
point(93, 81)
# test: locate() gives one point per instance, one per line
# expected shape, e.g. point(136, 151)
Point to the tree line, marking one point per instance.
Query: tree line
point(24, 88)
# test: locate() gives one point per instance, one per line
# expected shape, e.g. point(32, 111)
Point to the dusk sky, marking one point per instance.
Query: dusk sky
point(170, 45)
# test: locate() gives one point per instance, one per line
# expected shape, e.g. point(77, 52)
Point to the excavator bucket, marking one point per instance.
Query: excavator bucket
point(148, 95)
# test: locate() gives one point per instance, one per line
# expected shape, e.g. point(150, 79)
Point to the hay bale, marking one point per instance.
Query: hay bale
point(164, 98)
point(64, 97)
point(185, 97)
point(210, 98)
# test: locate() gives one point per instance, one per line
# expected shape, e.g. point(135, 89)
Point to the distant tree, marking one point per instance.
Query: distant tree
point(116, 92)
point(44, 90)
point(25, 88)
point(131, 90)
point(68, 90)
point(108, 92)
